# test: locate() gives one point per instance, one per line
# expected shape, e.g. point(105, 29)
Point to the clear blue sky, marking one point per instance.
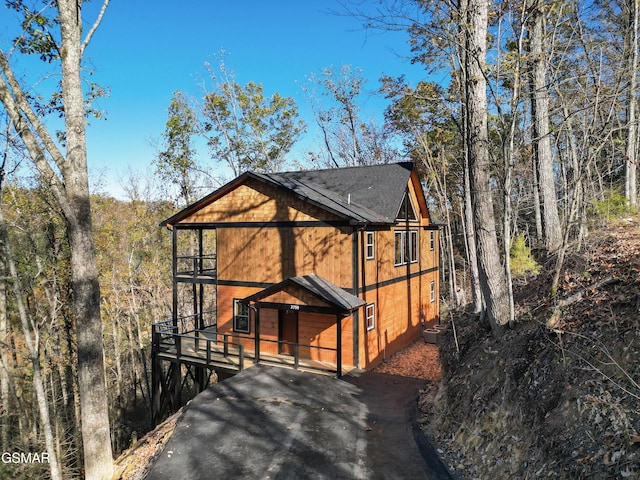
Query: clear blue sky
point(145, 50)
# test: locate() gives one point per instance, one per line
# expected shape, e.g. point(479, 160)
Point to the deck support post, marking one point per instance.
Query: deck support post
point(156, 382)
point(339, 346)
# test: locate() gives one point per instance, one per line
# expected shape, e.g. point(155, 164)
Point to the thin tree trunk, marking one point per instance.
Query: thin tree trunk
point(631, 189)
point(4, 357)
point(33, 348)
point(492, 278)
point(541, 133)
point(468, 222)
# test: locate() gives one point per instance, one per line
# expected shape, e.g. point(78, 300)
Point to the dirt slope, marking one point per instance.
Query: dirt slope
point(541, 402)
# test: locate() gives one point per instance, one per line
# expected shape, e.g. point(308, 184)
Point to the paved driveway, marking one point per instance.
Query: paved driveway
point(275, 423)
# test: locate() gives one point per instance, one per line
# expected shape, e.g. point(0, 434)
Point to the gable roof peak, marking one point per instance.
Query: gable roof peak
point(369, 194)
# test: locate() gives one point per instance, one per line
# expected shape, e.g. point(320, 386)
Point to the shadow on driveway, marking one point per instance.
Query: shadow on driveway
point(275, 423)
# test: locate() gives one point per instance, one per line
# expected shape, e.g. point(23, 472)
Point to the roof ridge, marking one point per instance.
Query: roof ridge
point(349, 167)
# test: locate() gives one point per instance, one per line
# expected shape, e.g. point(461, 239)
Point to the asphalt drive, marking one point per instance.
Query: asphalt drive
point(275, 423)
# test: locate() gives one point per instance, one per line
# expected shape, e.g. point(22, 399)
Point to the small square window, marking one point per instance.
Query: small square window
point(370, 245)
point(240, 316)
point(370, 316)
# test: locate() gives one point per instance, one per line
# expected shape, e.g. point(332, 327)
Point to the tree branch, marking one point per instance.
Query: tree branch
point(94, 27)
point(17, 108)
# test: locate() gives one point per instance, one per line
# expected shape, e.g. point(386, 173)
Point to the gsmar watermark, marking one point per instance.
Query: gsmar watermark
point(22, 457)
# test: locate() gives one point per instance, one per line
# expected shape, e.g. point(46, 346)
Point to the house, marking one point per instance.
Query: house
point(336, 268)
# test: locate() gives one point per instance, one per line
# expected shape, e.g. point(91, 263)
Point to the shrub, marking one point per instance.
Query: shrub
point(613, 205)
point(522, 263)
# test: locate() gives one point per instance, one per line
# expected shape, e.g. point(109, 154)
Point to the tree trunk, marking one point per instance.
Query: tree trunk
point(33, 349)
point(541, 134)
point(631, 190)
point(471, 244)
point(492, 279)
point(91, 378)
point(467, 220)
point(4, 354)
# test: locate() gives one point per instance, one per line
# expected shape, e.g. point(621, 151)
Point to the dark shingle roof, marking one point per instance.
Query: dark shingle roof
point(371, 194)
point(318, 287)
point(368, 194)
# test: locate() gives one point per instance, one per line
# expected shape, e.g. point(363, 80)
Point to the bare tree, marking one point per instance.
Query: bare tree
point(631, 36)
point(473, 22)
point(541, 133)
point(32, 344)
point(66, 174)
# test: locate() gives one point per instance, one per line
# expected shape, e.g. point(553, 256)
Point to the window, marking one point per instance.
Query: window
point(413, 246)
point(370, 314)
point(432, 291)
point(399, 248)
point(407, 212)
point(405, 247)
point(432, 240)
point(240, 316)
point(370, 245)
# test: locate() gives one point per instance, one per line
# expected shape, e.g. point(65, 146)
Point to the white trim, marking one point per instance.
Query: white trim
point(370, 316)
point(408, 251)
point(370, 245)
point(240, 316)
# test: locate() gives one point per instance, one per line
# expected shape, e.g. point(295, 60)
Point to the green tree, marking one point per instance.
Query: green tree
point(247, 129)
point(176, 162)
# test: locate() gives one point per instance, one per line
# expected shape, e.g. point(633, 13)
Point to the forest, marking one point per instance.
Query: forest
point(530, 145)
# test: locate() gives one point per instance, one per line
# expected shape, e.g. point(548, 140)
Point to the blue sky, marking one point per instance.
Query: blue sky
point(145, 50)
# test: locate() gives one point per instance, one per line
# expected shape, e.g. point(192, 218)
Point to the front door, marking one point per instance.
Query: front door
point(288, 331)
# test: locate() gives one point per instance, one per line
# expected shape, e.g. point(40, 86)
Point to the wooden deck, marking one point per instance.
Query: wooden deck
point(207, 348)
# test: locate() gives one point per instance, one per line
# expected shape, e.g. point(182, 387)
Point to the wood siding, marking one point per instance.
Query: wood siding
point(254, 201)
point(320, 330)
point(271, 255)
point(252, 257)
point(401, 293)
point(291, 295)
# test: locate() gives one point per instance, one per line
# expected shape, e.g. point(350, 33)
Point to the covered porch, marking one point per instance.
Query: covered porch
point(304, 320)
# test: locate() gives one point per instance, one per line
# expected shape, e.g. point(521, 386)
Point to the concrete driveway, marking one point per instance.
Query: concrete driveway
point(275, 423)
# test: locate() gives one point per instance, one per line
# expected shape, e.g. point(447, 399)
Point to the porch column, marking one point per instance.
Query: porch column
point(174, 274)
point(339, 345)
point(256, 319)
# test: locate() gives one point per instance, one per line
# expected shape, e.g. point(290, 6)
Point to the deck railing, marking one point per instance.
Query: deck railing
point(196, 265)
point(198, 346)
point(208, 345)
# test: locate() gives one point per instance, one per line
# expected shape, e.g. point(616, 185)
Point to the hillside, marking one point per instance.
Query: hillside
point(558, 396)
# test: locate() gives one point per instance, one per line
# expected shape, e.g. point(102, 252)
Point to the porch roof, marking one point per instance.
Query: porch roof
point(341, 300)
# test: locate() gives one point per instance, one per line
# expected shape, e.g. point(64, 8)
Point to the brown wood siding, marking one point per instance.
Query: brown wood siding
point(401, 293)
point(268, 331)
point(320, 330)
point(270, 255)
point(254, 201)
point(397, 321)
point(294, 296)
point(226, 294)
